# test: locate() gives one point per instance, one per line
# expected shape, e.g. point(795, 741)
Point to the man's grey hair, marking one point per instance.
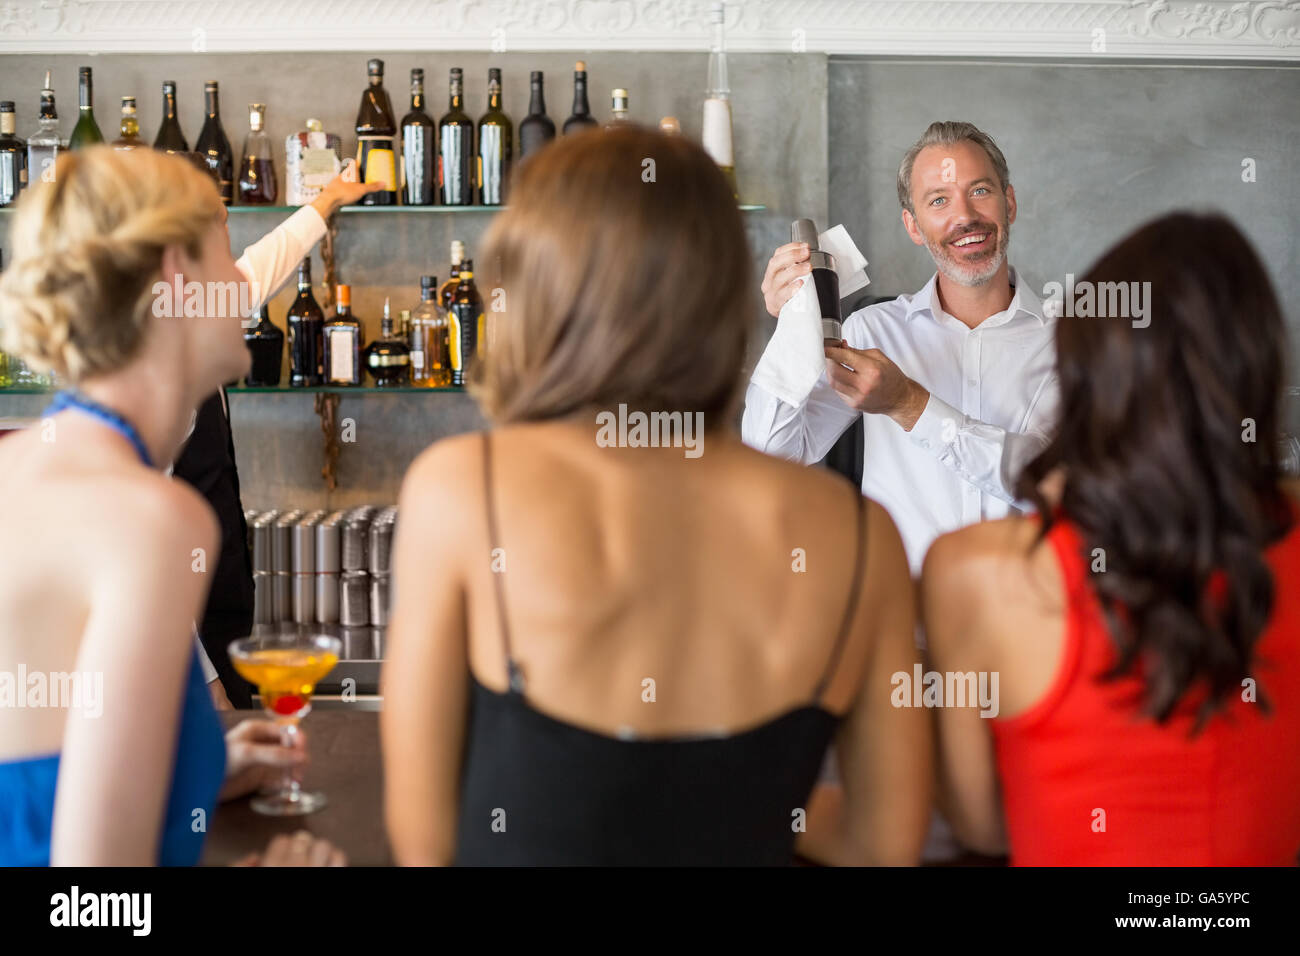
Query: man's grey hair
point(947, 133)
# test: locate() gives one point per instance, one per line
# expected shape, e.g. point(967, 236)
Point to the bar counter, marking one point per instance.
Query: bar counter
point(346, 766)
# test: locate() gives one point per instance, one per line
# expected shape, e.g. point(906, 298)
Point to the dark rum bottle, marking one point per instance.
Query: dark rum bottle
point(305, 320)
point(581, 117)
point(537, 129)
point(466, 321)
point(213, 146)
point(456, 148)
point(419, 149)
point(389, 358)
point(265, 344)
point(257, 183)
point(376, 139)
point(343, 342)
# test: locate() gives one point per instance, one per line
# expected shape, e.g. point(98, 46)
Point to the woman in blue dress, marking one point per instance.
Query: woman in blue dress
point(110, 750)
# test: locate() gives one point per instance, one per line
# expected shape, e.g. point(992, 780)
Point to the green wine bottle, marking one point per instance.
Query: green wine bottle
point(86, 132)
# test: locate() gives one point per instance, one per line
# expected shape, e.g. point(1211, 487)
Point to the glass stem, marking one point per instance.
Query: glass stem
point(291, 785)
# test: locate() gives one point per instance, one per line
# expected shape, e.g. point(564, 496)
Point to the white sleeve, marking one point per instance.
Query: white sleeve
point(209, 672)
point(268, 263)
point(989, 457)
point(803, 433)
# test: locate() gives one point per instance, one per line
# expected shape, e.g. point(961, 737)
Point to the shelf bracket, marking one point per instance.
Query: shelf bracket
point(327, 407)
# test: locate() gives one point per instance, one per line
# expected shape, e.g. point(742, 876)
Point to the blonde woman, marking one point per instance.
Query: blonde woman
point(103, 576)
point(609, 652)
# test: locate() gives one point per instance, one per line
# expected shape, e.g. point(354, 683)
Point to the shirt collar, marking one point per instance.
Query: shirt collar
point(1025, 302)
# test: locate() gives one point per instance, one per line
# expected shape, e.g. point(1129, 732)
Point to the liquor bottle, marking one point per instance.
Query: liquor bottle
point(430, 355)
point(581, 117)
point(129, 128)
point(456, 148)
point(5, 379)
point(388, 358)
point(376, 142)
point(305, 321)
point(170, 139)
point(13, 157)
point(618, 110)
point(466, 321)
point(343, 342)
point(257, 182)
point(537, 129)
point(448, 291)
point(265, 344)
point(717, 102)
point(214, 147)
point(419, 149)
point(495, 142)
point(43, 146)
point(86, 132)
point(312, 157)
point(670, 126)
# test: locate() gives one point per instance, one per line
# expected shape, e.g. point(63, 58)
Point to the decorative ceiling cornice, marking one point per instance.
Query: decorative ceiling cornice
point(1084, 29)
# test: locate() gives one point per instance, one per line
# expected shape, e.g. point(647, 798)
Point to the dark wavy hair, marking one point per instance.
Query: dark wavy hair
point(1159, 470)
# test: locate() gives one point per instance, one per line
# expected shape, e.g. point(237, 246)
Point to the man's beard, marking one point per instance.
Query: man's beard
point(975, 273)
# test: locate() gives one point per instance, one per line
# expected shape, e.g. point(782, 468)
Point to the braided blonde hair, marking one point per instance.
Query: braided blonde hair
point(77, 297)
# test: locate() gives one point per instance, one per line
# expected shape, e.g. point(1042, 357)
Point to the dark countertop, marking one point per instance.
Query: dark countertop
point(346, 765)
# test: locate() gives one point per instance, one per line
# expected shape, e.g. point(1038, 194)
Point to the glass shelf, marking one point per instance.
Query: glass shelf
point(25, 390)
point(340, 389)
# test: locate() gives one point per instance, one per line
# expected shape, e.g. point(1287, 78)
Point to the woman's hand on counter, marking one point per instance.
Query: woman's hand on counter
point(256, 755)
point(301, 849)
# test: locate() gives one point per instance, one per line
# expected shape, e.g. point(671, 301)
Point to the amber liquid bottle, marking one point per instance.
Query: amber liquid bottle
point(342, 333)
point(466, 320)
point(257, 183)
point(377, 139)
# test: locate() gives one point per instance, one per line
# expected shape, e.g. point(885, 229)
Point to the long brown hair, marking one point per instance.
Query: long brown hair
point(1168, 440)
point(625, 274)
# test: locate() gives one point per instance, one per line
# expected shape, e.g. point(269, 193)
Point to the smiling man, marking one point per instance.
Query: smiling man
point(955, 383)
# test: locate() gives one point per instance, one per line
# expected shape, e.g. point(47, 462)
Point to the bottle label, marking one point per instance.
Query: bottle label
point(417, 359)
point(717, 131)
point(375, 157)
point(386, 361)
point(341, 368)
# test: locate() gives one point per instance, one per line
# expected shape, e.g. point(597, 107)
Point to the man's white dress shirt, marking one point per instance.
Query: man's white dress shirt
point(993, 399)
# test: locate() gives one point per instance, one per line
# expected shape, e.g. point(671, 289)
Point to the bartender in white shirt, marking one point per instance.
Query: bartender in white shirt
point(266, 265)
point(955, 384)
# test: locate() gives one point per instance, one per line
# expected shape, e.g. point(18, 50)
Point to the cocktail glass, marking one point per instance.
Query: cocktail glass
point(285, 670)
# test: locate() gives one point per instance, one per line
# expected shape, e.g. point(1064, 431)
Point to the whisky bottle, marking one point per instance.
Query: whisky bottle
point(388, 358)
point(312, 157)
point(537, 129)
point(466, 320)
point(213, 146)
point(170, 139)
point(419, 149)
point(376, 139)
point(13, 157)
point(618, 110)
point(129, 128)
point(456, 148)
point(306, 344)
point(266, 347)
point(495, 143)
point(448, 291)
point(43, 146)
point(430, 358)
point(581, 117)
point(257, 183)
point(86, 132)
point(343, 342)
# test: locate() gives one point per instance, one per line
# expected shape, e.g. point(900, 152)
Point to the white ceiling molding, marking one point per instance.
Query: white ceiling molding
point(1146, 29)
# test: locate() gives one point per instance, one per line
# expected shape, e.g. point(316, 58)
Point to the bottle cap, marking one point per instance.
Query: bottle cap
point(417, 75)
point(128, 104)
point(457, 73)
point(580, 67)
point(256, 115)
point(343, 295)
point(169, 86)
point(494, 73)
point(467, 266)
point(210, 86)
point(375, 67)
point(314, 126)
point(8, 106)
point(457, 251)
point(620, 94)
point(428, 282)
point(83, 71)
point(669, 124)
